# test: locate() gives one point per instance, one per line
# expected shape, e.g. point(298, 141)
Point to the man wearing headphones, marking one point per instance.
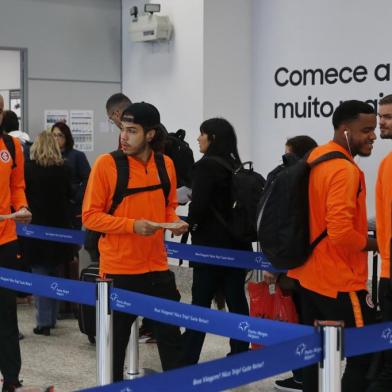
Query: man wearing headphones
point(337, 202)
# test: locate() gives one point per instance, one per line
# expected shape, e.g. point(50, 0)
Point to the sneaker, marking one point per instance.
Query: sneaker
point(11, 387)
point(42, 331)
point(288, 384)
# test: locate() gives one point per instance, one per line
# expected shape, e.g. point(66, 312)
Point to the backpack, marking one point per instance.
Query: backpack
point(123, 174)
point(10, 145)
point(182, 156)
point(246, 187)
point(283, 213)
point(121, 191)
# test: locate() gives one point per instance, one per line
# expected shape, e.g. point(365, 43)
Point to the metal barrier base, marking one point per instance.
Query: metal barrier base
point(142, 372)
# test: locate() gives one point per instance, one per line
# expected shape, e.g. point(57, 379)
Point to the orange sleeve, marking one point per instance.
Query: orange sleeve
point(384, 211)
point(341, 208)
point(98, 198)
point(17, 182)
point(171, 215)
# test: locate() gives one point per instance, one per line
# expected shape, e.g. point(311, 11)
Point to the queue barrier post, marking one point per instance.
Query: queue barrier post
point(104, 328)
point(133, 369)
point(259, 273)
point(330, 365)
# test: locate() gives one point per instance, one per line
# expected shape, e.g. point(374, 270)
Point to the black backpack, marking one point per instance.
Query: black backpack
point(182, 156)
point(121, 191)
point(283, 213)
point(245, 191)
point(10, 144)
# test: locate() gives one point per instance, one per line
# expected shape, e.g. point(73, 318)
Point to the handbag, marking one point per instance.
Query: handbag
point(270, 302)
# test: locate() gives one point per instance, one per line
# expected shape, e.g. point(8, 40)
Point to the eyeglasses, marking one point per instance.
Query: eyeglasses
point(58, 135)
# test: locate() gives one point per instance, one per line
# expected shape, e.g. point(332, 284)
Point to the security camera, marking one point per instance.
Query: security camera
point(151, 8)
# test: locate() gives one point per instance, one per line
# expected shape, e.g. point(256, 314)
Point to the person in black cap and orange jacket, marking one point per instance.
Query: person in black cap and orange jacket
point(132, 252)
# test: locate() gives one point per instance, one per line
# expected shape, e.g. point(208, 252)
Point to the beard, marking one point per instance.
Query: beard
point(138, 150)
point(386, 136)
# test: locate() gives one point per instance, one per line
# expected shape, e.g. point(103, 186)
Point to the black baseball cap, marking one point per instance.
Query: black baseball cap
point(142, 113)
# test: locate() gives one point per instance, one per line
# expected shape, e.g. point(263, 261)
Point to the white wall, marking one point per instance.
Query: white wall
point(204, 72)
point(314, 35)
point(74, 56)
point(169, 75)
point(227, 66)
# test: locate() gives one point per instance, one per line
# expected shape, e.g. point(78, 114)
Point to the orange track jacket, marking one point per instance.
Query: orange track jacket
point(338, 263)
point(12, 189)
point(121, 250)
point(384, 213)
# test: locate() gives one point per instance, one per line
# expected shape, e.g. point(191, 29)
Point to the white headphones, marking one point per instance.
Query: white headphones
point(346, 132)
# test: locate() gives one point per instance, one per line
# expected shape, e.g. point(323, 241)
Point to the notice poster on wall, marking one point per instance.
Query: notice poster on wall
point(82, 124)
point(53, 116)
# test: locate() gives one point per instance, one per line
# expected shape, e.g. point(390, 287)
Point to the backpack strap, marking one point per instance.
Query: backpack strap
point(318, 239)
point(327, 157)
point(10, 144)
point(122, 167)
point(163, 176)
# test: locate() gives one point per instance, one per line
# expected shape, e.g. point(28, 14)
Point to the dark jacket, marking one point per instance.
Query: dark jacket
point(80, 170)
point(211, 188)
point(48, 191)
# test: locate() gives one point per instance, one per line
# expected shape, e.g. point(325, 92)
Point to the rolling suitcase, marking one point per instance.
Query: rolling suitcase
point(86, 315)
point(70, 270)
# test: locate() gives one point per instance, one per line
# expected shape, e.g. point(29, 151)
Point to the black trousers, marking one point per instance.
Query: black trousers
point(10, 360)
point(296, 295)
point(158, 284)
point(383, 381)
point(206, 282)
point(319, 307)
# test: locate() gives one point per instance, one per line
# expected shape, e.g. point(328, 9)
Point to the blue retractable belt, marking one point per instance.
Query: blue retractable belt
point(229, 372)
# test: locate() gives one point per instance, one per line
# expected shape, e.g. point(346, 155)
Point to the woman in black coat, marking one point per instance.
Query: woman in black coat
point(48, 191)
point(211, 190)
point(80, 169)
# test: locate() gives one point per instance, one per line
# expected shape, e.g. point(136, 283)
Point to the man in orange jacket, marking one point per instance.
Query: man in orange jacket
point(333, 279)
point(12, 195)
point(384, 238)
point(132, 251)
